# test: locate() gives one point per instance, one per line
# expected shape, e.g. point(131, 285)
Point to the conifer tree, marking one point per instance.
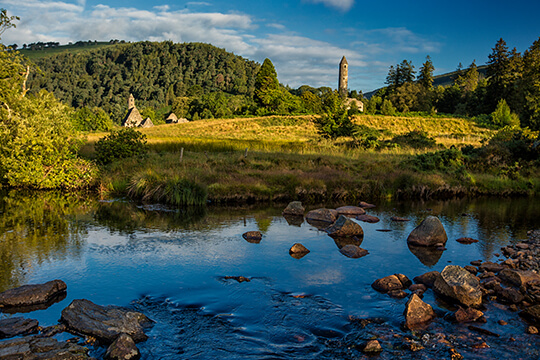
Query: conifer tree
point(531, 86)
point(425, 78)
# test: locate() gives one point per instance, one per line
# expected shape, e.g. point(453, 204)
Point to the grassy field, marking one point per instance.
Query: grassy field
point(287, 160)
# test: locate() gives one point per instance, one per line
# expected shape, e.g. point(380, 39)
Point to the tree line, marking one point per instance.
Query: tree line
point(511, 86)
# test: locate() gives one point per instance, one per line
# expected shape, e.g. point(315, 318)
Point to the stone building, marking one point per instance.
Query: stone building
point(343, 86)
point(343, 82)
point(133, 117)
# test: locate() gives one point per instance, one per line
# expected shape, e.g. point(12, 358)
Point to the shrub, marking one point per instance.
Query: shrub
point(502, 116)
point(444, 160)
point(366, 137)
point(120, 144)
point(387, 108)
point(416, 139)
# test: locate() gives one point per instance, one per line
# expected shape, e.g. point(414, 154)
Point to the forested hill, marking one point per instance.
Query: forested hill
point(155, 73)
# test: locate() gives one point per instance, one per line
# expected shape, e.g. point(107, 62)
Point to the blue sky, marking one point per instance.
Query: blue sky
point(305, 39)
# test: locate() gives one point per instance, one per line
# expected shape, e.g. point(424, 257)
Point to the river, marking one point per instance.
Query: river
point(174, 265)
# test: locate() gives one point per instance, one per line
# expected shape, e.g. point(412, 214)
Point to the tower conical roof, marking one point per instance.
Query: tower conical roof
point(343, 60)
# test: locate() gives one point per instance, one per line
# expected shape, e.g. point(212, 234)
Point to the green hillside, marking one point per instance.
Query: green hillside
point(103, 75)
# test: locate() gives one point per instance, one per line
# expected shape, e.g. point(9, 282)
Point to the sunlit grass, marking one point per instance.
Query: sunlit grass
point(282, 158)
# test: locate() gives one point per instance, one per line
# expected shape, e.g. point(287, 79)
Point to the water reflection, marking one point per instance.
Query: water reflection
point(428, 255)
point(38, 227)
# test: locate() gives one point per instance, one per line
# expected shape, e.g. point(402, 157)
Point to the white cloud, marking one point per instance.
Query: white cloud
point(343, 5)
point(298, 59)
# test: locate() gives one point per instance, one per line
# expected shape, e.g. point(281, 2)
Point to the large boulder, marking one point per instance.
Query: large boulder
point(104, 322)
point(417, 313)
point(29, 295)
point(34, 348)
point(294, 208)
point(345, 227)
point(459, 285)
point(350, 210)
point(430, 232)
point(15, 326)
point(327, 216)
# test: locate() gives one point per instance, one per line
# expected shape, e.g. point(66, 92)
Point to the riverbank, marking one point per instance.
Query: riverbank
point(281, 159)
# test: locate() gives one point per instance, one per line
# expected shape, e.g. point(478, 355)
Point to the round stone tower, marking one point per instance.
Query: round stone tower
point(343, 77)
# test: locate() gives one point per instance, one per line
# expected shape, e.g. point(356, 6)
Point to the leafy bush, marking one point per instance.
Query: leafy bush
point(508, 146)
point(416, 139)
point(502, 116)
point(387, 108)
point(366, 137)
point(444, 160)
point(119, 145)
point(95, 119)
point(336, 122)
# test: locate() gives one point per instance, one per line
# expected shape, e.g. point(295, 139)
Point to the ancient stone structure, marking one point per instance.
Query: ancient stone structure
point(343, 82)
point(133, 117)
point(343, 86)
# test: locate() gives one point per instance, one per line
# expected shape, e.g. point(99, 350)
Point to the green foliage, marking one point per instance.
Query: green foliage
point(415, 139)
point(153, 72)
point(443, 160)
point(502, 116)
point(425, 78)
point(507, 146)
point(335, 122)
point(366, 137)
point(387, 108)
point(95, 119)
point(531, 87)
point(120, 144)
point(37, 141)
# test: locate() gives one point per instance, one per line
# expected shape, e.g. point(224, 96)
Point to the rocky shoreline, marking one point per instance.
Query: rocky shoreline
point(117, 328)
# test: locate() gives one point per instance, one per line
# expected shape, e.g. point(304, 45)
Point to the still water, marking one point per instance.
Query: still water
point(174, 264)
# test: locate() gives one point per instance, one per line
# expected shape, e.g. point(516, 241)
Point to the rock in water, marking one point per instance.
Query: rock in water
point(427, 279)
point(430, 232)
point(457, 284)
point(417, 313)
point(372, 346)
point(253, 237)
point(368, 218)
point(366, 205)
point(519, 277)
point(350, 210)
point(28, 295)
point(294, 208)
point(345, 227)
point(15, 326)
point(387, 283)
point(123, 348)
point(532, 313)
point(104, 322)
point(468, 315)
point(34, 348)
point(298, 249)
point(353, 251)
point(323, 215)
